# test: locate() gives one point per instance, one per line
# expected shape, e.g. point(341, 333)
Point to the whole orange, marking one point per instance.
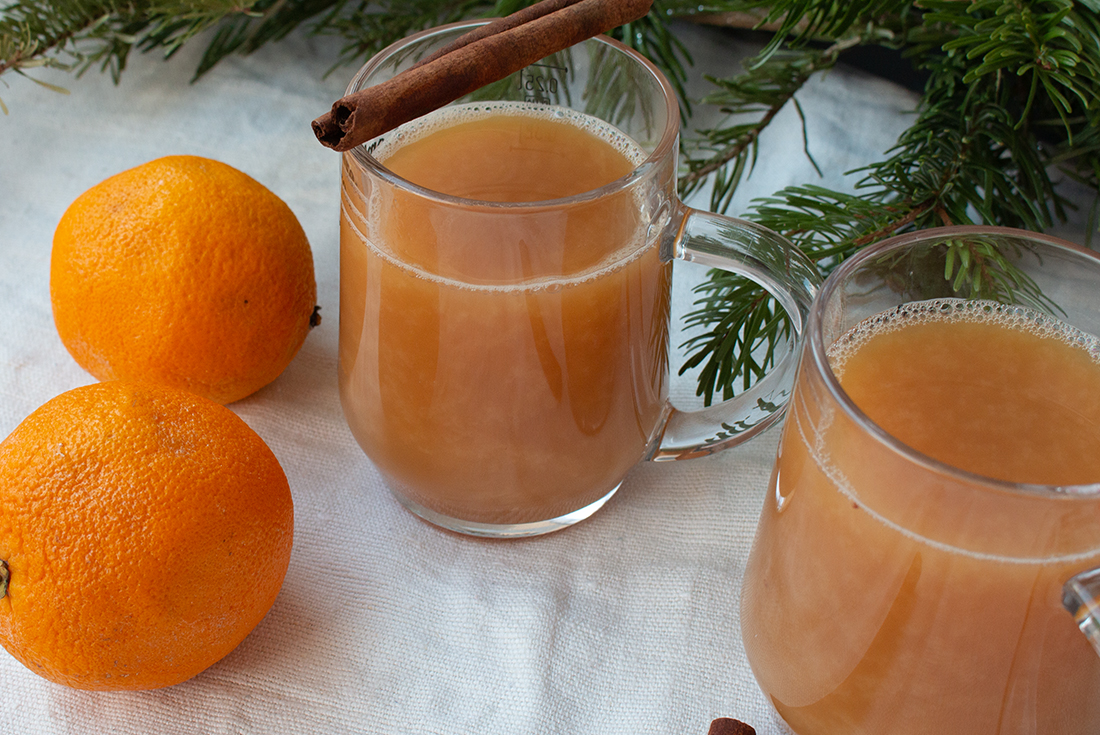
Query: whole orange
point(183, 271)
point(144, 532)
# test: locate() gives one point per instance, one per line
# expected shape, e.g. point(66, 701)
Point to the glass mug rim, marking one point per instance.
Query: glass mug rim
point(815, 349)
point(666, 143)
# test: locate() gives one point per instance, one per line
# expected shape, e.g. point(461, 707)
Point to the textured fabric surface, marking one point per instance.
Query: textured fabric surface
point(627, 623)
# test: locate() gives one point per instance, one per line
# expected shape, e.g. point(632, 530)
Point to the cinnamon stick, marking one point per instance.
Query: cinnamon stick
point(481, 57)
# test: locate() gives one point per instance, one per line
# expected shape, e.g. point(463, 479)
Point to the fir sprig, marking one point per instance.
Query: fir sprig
point(723, 155)
point(75, 35)
point(982, 149)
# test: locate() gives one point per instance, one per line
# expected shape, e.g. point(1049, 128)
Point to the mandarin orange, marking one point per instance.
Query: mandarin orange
point(144, 532)
point(183, 271)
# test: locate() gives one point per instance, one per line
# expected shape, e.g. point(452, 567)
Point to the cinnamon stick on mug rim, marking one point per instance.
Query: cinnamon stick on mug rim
point(483, 56)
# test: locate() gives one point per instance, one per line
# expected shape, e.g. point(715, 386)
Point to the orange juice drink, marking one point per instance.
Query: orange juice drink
point(502, 366)
point(890, 594)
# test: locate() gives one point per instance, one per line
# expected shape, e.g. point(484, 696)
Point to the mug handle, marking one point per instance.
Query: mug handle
point(769, 259)
point(1081, 596)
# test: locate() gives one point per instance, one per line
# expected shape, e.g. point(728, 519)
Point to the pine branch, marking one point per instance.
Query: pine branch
point(1012, 90)
point(267, 21)
point(651, 37)
point(726, 153)
point(74, 35)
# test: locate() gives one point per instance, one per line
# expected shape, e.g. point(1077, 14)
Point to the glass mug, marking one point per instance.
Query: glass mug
point(890, 592)
point(505, 364)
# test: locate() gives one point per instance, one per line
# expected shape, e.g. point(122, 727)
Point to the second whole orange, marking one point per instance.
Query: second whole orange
point(185, 272)
point(144, 532)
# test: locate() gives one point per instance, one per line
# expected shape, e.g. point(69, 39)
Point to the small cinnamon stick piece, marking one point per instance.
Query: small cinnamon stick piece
point(730, 726)
point(468, 64)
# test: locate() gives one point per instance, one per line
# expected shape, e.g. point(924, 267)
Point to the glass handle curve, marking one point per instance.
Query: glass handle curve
point(769, 259)
point(1081, 597)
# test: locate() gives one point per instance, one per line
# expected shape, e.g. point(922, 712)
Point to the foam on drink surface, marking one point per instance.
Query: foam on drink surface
point(994, 313)
point(447, 117)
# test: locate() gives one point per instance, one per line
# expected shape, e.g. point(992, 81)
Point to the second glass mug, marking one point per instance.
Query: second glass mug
point(504, 365)
point(890, 592)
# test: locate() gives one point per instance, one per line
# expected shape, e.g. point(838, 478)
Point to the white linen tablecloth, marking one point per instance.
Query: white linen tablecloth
point(626, 623)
